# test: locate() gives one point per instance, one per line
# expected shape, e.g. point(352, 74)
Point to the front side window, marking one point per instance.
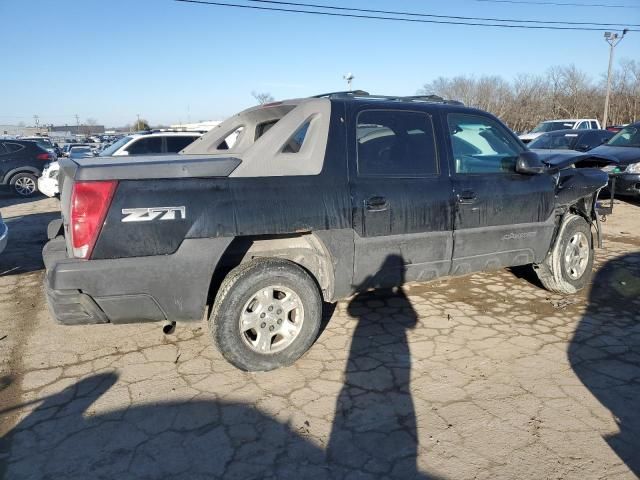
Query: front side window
point(481, 145)
point(395, 143)
point(594, 125)
point(146, 146)
point(113, 148)
point(583, 126)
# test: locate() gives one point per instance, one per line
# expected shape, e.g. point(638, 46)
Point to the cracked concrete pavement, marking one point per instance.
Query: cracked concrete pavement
point(482, 377)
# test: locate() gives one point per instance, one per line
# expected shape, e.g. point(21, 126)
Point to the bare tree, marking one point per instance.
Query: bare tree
point(262, 97)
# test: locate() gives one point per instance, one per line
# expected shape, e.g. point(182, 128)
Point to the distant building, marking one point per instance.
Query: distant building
point(198, 126)
point(78, 129)
point(20, 131)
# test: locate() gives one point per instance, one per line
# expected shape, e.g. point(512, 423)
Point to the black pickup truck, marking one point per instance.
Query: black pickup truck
point(293, 203)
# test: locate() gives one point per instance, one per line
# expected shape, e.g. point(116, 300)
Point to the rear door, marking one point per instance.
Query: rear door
point(502, 218)
point(401, 196)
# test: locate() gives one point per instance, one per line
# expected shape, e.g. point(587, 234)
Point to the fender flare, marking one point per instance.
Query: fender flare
point(26, 169)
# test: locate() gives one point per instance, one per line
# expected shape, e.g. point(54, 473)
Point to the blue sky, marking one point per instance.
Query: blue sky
point(171, 61)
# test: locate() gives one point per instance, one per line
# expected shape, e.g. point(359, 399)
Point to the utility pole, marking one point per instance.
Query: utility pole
point(138, 122)
point(36, 118)
point(77, 124)
point(612, 39)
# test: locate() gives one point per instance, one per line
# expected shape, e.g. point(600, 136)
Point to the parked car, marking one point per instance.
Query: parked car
point(615, 128)
point(68, 146)
point(625, 148)
point(342, 193)
point(81, 152)
point(580, 140)
point(48, 181)
point(151, 143)
point(4, 234)
point(21, 163)
point(566, 124)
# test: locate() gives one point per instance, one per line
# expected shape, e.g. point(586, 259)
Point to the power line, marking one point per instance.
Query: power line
point(376, 17)
point(561, 4)
point(428, 15)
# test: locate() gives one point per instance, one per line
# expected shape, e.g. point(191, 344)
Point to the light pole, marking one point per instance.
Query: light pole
point(612, 39)
point(349, 78)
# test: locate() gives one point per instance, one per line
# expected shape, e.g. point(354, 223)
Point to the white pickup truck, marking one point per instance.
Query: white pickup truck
point(566, 124)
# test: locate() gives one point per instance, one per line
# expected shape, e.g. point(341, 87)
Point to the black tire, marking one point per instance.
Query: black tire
point(555, 273)
point(24, 184)
point(238, 288)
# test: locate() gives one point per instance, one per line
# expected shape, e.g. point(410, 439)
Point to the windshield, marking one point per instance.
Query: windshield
point(627, 137)
point(551, 126)
point(554, 141)
point(112, 149)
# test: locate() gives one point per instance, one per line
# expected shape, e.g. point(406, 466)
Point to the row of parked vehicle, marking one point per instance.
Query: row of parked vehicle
point(29, 165)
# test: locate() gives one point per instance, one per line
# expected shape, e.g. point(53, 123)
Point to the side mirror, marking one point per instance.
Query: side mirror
point(529, 163)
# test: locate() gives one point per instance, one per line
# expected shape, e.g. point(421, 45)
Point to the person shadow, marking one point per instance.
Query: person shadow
point(374, 429)
point(374, 433)
point(605, 351)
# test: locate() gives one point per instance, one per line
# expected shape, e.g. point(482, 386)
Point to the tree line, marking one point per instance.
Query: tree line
point(561, 92)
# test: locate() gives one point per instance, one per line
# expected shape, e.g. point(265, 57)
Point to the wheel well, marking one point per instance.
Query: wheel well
point(13, 173)
point(306, 250)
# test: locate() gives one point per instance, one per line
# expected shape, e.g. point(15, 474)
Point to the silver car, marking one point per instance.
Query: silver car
point(4, 234)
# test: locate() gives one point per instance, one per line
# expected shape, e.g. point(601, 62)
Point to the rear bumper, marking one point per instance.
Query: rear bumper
point(127, 290)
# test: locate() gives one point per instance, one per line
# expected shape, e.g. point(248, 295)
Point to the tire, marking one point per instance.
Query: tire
point(251, 323)
point(24, 184)
point(569, 265)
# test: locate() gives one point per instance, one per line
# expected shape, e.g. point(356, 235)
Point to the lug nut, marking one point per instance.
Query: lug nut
point(262, 315)
point(271, 328)
point(271, 308)
point(262, 325)
point(279, 311)
point(279, 321)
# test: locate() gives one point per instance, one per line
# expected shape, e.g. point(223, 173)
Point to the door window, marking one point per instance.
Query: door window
point(481, 145)
point(146, 146)
point(177, 143)
point(3, 150)
point(583, 126)
point(395, 143)
point(13, 147)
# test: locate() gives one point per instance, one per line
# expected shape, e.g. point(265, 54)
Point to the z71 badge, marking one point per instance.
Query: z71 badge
point(153, 213)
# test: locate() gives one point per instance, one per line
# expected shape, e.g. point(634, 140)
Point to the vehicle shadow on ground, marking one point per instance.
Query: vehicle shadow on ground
point(605, 351)
point(373, 434)
point(27, 236)
point(8, 198)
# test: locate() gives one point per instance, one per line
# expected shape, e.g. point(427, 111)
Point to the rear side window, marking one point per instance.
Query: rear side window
point(13, 147)
point(175, 144)
point(594, 125)
point(146, 146)
point(395, 143)
point(3, 149)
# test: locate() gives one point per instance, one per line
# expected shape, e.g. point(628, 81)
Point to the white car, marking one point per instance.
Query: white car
point(565, 124)
point(48, 181)
point(150, 143)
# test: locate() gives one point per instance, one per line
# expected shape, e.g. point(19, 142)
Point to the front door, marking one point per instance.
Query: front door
point(402, 197)
point(502, 218)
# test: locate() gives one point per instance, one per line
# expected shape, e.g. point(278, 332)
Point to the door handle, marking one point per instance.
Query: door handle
point(376, 204)
point(466, 197)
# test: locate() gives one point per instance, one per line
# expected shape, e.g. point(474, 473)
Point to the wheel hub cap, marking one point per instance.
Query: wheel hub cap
point(576, 255)
point(25, 186)
point(272, 319)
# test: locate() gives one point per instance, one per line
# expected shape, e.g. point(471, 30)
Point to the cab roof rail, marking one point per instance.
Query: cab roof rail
point(412, 98)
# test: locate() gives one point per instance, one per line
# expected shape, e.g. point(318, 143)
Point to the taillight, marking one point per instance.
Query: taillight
point(43, 156)
point(89, 205)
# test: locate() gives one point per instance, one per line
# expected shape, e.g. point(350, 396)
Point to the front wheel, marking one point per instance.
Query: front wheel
point(569, 265)
point(266, 315)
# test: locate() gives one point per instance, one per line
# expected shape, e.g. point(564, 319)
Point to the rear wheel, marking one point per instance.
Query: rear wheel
point(266, 315)
point(568, 267)
point(24, 184)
